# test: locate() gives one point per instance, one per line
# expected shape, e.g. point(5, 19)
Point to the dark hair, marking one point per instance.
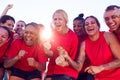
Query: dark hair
point(112, 7)
point(4, 18)
point(98, 23)
point(80, 17)
point(7, 29)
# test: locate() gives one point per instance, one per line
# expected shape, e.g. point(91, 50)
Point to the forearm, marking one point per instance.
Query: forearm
point(40, 67)
point(9, 6)
point(113, 64)
point(49, 53)
point(11, 62)
point(4, 12)
point(76, 65)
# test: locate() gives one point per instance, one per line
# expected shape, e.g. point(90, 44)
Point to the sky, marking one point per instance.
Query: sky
point(41, 11)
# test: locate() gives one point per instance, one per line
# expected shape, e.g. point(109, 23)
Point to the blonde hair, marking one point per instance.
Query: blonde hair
point(63, 13)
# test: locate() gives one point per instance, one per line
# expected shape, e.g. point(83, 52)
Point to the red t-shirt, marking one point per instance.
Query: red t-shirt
point(35, 51)
point(100, 53)
point(69, 42)
point(4, 48)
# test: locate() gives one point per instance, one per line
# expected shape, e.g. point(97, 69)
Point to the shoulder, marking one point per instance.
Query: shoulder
point(109, 36)
point(17, 41)
point(72, 33)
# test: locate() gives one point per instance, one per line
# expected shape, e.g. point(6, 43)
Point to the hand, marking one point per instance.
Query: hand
point(60, 60)
point(16, 36)
point(66, 55)
point(9, 6)
point(61, 50)
point(94, 69)
point(21, 54)
point(31, 61)
point(47, 45)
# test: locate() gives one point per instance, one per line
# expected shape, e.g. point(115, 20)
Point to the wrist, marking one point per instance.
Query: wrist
point(102, 67)
point(68, 59)
point(36, 64)
point(16, 58)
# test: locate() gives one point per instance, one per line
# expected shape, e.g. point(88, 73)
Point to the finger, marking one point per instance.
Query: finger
point(91, 72)
point(86, 69)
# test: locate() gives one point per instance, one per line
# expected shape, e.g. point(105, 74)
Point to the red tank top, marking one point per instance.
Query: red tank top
point(100, 53)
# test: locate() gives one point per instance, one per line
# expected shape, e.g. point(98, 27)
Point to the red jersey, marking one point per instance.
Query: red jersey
point(34, 51)
point(69, 42)
point(100, 53)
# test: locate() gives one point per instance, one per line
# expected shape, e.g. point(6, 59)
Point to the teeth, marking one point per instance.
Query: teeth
point(112, 25)
point(90, 29)
point(28, 39)
point(58, 25)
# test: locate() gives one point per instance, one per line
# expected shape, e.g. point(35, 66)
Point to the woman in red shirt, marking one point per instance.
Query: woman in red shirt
point(112, 19)
point(63, 38)
point(78, 27)
point(26, 56)
point(103, 51)
point(5, 35)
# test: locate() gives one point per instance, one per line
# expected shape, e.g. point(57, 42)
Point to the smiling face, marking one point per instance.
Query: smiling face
point(59, 22)
point(3, 36)
point(77, 27)
point(91, 26)
point(19, 27)
point(112, 20)
point(9, 24)
point(30, 35)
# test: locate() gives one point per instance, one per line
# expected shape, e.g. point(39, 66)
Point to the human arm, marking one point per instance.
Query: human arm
point(9, 6)
point(60, 60)
point(78, 63)
point(11, 61)
point(115, 49)
point(48, 52)
point(40, 66)
point(47, 49)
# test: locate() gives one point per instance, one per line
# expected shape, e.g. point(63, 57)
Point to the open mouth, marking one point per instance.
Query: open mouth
point(58, 26)
point(89, 30)
point(28, 41)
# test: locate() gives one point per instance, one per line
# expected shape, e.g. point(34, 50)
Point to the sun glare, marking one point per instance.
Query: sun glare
point(46, 34)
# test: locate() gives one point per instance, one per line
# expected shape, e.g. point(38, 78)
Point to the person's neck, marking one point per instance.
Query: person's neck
point(94, 37)
point(65, 31)
point(117, 31)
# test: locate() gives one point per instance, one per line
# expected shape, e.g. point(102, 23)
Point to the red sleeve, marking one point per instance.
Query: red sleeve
point(14, 49)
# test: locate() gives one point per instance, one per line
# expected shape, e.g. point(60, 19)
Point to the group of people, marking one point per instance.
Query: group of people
point(84, 53)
